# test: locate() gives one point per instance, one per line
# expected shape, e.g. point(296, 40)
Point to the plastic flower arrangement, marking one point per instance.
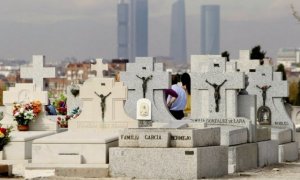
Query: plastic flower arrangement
point(4, 136)
point(27, 112)
point(63, 122)
point(61, 105)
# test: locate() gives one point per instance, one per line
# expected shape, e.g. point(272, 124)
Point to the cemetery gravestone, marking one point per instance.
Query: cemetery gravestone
point(215, 83)
point(244, 63)
point(38, 72)
point(146, 79)
point(20, 146)
point(146, 153)
point(99, 67)
point(270, 90)
point(89, 136)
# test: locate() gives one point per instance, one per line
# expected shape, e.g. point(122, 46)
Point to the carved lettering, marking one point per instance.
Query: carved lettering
point(130, 137)
point(181, 138)
point(282, 123)
point(153, 137)
point(236, 121)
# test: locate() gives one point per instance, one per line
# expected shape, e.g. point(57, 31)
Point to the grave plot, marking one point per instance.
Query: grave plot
point(86, 143)
point(153, 153)
point(19, 150)
point(270, 90)
point(215, 87)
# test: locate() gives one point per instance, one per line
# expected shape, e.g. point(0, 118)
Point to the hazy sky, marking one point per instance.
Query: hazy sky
point(88, 28)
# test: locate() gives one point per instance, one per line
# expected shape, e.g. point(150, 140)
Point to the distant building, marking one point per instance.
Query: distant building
point(115, 67)
point(138, 29)
point(56, 86)
point(123, 29)
point(132, 29)
point(210, 29)
point(78, 72)
point(178, 33)
point(289, 57)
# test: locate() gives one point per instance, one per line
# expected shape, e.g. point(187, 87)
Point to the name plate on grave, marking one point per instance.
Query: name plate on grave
point(225, 121)
point(176, 137)
point(154, 139)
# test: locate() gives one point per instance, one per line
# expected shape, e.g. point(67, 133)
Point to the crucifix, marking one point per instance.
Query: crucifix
point(38, 72)
point(217, 92)
point(206, 97)
point(144, 67)
point(144, 85)
point(264, 92)
point(269, 88)
point(103, 104)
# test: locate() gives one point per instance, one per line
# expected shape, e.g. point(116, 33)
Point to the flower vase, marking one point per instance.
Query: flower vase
point(23, 127)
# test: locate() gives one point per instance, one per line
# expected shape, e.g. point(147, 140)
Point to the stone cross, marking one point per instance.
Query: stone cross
point(99, 67)
point(91, 109)
point(264, 76)
point(145, 67)
point(216, 70)
point(38, 72)
point(244, 63)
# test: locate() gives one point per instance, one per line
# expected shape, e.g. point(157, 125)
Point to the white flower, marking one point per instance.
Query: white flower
point(22, 110)
point(29, 115)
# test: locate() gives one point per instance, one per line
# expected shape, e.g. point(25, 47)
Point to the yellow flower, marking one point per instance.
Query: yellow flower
point(1, 135)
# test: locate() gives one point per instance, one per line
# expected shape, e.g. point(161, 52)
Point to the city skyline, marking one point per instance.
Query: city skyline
point(84, 29)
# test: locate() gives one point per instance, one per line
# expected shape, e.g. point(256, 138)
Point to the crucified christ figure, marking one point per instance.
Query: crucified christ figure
point(144, 85)
point(217, 92)
point(264, 92)
point(103, 98)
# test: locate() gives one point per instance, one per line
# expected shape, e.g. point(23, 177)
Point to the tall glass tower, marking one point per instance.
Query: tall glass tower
point(123, 31)
point(210, 29)
point(138, 29)
point(178, 32)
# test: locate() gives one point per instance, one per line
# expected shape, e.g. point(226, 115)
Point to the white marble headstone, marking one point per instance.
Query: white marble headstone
point(37, 72)
point(24, 93)
point(99, 67)
point(91, 115)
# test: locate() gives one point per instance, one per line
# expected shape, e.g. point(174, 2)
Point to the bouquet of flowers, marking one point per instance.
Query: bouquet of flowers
point(61, 105)
point(63, 122)
point(4, 136)
point(27, 112)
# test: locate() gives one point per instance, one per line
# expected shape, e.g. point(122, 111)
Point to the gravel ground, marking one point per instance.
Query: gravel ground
point(279, 171)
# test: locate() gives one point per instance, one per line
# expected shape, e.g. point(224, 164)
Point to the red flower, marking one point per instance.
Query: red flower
point(3, 130)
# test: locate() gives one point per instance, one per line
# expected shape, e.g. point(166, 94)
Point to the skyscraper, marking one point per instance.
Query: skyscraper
point(210, 29)
point(178, 33)
point(138, 28)
point(123, 31)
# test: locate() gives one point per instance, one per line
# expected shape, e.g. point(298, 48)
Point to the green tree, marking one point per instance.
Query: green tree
point(293, 91)
point(257, 53)
point(280, 68)
point(226, 55)
point(297, 101)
